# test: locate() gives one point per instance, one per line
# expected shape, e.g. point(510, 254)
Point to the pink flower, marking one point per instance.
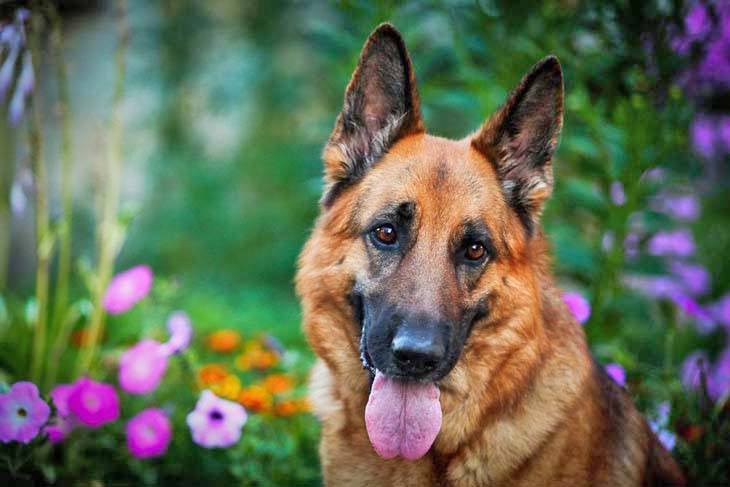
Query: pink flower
point(578, 306)
point(127, 288)
point(149, 433)
point(22, 413)
point(616, 372)
point(181, 331)
point(94, 403)
point(141, 367)
point(216, 422)
point(64, 423)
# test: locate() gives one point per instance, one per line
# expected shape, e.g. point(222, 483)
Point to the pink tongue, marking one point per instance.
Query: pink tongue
point(402, 418)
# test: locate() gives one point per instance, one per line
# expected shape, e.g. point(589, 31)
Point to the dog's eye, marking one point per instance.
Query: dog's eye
point(385, 234)
point(475, 251)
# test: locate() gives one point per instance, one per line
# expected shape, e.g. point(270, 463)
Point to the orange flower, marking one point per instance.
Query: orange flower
point(255, 398)
point(287, 407)
point(211, 374)
point(224, 341)
point(278, 383)
point(228, 388)
point(257, 359)
point(304, 405)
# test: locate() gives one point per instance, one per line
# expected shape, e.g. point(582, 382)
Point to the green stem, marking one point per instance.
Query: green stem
point(44, 239)
point(6, 181)
point(108, 229)
point(64, 228)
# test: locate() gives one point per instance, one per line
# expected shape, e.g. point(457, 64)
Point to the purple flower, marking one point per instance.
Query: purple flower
point(64, 423)
point(718, 383)
point(680, 207)
point(631, 246)
point(216, 422)
point(720, 310)
point(94, 403)
point(22, 413)
point(654, 286)
point(694, 278)
point(149, 433)
point(142, 366)
point(127, 288)
point(180, 328)
point(578, 306)
point(607, 241)
point(723, 132)
point(692, 368)
point(702, 133)
point(618, 196)
point(677, 242)
point(23, 89)
point(616, 372)
point(702, 320)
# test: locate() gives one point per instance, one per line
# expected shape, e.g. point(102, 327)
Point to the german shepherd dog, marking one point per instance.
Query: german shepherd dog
point(445, 353)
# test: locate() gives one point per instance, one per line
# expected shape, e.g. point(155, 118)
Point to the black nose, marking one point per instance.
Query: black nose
point(418, 350)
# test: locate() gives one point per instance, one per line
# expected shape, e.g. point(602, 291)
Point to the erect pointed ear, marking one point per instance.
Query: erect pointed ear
point(519, 140)
point(381, 106)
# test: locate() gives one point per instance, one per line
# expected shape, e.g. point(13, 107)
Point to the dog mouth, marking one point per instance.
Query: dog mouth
point(402, 417)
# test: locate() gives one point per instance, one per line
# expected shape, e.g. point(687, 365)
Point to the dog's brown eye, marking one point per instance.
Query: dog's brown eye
point(475, 251)
point(386, 234)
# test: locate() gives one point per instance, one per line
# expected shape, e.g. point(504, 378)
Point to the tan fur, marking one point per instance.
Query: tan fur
point(524, 404)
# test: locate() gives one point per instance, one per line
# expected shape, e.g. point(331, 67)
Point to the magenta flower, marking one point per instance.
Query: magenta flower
point(22, 413)
point(578, 306)
point(678, 242)
point(94, 403)
point(616, 372)
point(180, 328)
point(141, 367)
point(149, 433)
point(618, 196)
point(216, 422)
point(127, 288)
point(692, 368)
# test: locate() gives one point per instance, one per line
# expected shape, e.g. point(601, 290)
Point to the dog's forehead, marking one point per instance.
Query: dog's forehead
point(445, 178)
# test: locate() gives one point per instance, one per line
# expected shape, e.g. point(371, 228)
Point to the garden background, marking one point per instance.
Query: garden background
point(181, 139)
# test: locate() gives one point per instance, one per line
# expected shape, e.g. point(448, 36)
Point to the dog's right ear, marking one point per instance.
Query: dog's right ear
point(381, 105)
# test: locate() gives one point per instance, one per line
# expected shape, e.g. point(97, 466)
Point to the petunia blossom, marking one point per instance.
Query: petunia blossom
point(128, 288)
point(616, 372)
point(142, 366)
point(180, 328)
point(22, 413)
point(93, 403)
point(578, 306)
point(149, 433)
point(216, 422)
point(63, 424)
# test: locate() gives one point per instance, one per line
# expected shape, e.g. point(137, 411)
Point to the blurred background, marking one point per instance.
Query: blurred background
point(184, 136)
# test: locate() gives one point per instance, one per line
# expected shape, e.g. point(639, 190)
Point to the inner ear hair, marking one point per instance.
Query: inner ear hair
point(381, 105)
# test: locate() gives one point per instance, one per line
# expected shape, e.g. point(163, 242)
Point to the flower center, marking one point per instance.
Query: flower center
point(22, 412)
point(92, 403)
point(215, 415)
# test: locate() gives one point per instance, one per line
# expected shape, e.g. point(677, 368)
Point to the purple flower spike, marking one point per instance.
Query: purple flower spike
point(618, 196)
point(679, 207)
point(679, 243)
point(141, 367)
point(718, 384)
point(149, 433)
point(694, 277)
point(180, 328)
point(215, 422)
point(617, 373)
point(127, 288)
point(692, 368)
point(578, 306)
point(702, 133)
point(93, 403)
point(22, 413)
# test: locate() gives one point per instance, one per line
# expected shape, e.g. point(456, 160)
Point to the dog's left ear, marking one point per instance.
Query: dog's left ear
point(381, 105)
point(519, 140)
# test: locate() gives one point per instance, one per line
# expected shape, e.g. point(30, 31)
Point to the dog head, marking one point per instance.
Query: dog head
point(433, 231)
